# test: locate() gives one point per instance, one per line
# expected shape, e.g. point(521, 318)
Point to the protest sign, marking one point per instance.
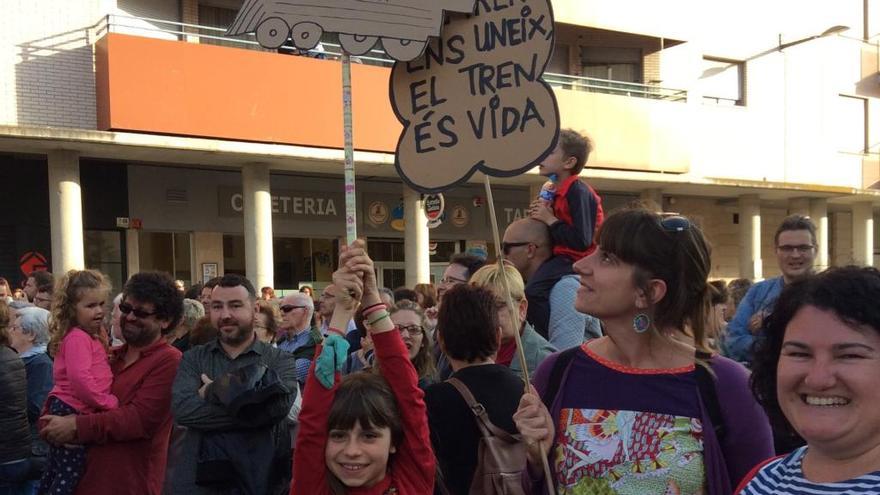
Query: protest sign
point(475, 100)
point(403, 25)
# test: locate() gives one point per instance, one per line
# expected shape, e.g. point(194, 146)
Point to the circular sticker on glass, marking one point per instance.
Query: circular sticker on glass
point(378, 213)
point(460, 216)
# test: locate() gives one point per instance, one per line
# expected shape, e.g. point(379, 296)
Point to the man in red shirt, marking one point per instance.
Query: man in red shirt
point(128, 446)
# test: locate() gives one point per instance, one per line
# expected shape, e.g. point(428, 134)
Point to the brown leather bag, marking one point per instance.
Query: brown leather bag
point(501, 457)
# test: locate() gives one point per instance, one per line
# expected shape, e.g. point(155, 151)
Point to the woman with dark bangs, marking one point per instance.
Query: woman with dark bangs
point(816, 373)
point(646, 408)
point(365, 433)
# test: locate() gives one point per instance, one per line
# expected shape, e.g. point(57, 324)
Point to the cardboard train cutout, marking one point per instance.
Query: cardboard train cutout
point(404, 26)
point(476, 100)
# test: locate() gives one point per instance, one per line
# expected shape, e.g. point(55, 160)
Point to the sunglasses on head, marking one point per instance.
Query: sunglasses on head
point(675, 223)
point(126, 308)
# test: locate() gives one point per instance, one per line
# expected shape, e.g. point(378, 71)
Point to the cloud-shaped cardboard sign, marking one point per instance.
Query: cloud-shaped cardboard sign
point(475, 100)
point(403, 25)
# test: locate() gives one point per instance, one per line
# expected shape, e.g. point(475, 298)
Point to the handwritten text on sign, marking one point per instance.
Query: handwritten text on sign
point(475, 99)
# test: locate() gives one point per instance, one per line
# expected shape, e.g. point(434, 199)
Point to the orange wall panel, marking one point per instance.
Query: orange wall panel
point(173, 87)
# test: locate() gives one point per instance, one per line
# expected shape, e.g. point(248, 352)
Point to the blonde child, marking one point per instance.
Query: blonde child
point(81, 371)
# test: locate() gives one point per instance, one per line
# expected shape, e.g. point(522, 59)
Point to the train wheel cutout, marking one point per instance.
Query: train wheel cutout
point(272, 33)
point(306, 35)
point(403, 50)
point(357, 44)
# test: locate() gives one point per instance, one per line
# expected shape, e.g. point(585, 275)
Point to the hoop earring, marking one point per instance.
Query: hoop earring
point(641, 323)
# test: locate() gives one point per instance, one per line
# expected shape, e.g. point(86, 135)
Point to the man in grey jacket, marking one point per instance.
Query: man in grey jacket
point(228, 393)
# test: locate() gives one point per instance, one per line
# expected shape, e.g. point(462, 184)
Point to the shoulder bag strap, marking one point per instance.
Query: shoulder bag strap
point(487, 428)
point(707, 388)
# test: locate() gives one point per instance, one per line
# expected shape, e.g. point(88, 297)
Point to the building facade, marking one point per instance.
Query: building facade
point(134, 135)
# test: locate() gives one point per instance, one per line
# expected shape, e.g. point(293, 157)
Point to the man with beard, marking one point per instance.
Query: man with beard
point(233, 394)
point(127, 447)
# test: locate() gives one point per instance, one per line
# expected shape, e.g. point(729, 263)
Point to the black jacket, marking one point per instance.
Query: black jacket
point(15, 436)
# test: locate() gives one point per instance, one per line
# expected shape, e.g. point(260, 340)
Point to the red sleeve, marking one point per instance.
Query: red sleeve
point(754, 472)
point(140, 417)
point(310, 470)
point(414, 465)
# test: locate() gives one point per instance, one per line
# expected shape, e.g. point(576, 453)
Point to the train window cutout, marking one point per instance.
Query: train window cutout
point(403, 26)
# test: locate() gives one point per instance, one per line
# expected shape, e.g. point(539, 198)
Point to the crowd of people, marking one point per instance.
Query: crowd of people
point(645, 376)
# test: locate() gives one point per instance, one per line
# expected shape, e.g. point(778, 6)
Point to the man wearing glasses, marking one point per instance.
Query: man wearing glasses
point(795, 242)
point(297, 335)
point(133, 438)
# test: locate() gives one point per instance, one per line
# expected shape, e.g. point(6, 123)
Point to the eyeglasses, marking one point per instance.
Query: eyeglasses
point(287, 308)
point(452, 280)
point(675, 223)
point(506, 246)
point(801, 249)
point(126, 308)
point(413, 330)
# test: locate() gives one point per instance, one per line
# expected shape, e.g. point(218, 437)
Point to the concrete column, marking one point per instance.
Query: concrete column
point(863, 233)
point(258, 225)
point(750, 263)
point(132, 252)
point(65, 212)
point(799, 206)
point(415, 240)
point(652, 198)
point(819, 216)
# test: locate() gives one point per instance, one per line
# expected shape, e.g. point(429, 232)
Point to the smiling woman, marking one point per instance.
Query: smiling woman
point(816, 374)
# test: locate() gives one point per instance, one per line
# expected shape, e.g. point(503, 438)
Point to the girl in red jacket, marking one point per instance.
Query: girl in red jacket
point(362, 434)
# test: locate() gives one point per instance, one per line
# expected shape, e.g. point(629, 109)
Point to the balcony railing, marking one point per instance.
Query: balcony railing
point(160, 28)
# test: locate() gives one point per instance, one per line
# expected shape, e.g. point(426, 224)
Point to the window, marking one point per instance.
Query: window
point(852, 124)
point(722, 82)
point(104, 253)
point(613, 64)
point(167, 252)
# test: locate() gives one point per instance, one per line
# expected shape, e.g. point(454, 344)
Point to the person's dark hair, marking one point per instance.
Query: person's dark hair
point(681, 258)
point(795, 222)
point(203, 332)
point(212, 282)
point(718, 292)
point(470, 262)
point(4, 324)
point(42, 277)
point(47, 288)
point(738, 288)
point(577, 145)
point(402, 293)
point(158, 289)
point(234, 280)
point(467, 323)
point(193, 292)
point(367, 400)
point(850, 292)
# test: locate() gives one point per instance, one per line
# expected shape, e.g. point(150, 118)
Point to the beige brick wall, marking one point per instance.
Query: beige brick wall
point(46, 62)
point(715, 217)
point(840, 232)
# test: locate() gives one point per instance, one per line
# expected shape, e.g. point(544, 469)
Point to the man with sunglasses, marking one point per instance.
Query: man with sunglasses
point(133, 439)
point(296, 334)
point(551, 285)
point(795, 242)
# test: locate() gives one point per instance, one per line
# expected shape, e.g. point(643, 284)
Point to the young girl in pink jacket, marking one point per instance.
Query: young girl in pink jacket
point(81, 371)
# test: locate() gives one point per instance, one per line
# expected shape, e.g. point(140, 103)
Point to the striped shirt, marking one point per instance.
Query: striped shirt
point(786, 475)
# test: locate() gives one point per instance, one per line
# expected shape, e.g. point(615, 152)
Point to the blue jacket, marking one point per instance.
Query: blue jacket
point(760, 297)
